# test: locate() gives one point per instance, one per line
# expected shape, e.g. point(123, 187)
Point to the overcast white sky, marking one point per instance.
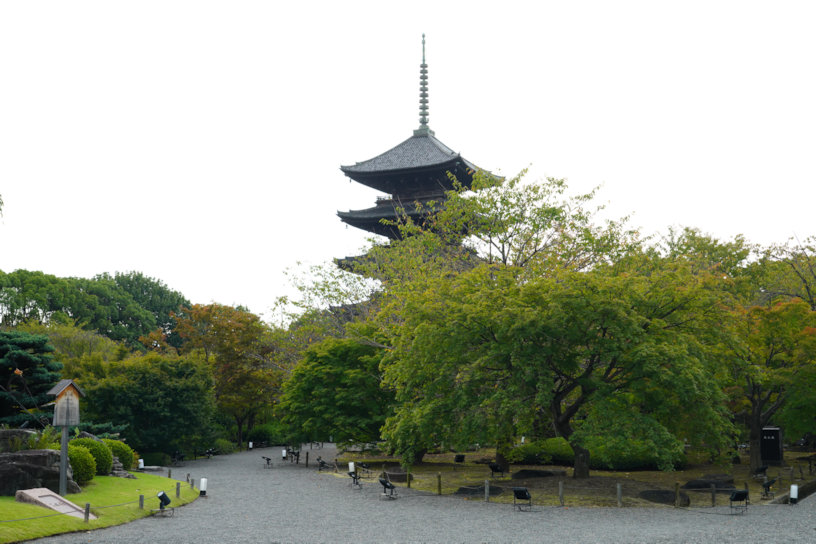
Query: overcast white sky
point(199, 142)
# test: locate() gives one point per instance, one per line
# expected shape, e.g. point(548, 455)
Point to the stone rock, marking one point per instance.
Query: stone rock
point(525, 473)
point(32, 468)
point(721, 482)
point(8, 436)
point(118, 470)
point(664, 496)
point(479, 491)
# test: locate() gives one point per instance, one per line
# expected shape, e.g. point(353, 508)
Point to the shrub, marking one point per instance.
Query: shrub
point(101, 452)
point(559, 450)
point(83, 464)
point(271, 433)
point(531, 453)
point(156, 459)
point(222, 445)
point(122, 451)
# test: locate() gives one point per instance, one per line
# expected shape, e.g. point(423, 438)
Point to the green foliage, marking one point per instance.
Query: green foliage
point(122, 451)
point(101, 452)
point(224, 446)
point(529, 453)
point(27, 372)
point(559, 451)
point(82, 462)
point(165, 401)
point(336, 391)
point(273, 433)
point(159, 459)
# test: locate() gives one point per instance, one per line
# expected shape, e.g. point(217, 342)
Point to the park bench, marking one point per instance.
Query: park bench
point(458, 459)
point(268, 461)
point(766, 489)
point(738, 501)
point(761, 472)
point(494, 468)
point(389, 489)
point(522, 499)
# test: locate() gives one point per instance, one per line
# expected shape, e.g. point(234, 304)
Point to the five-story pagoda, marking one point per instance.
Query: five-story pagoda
point(415, 171)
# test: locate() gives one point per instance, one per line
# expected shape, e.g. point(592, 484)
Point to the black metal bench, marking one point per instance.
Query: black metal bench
point(738, 501)
point(176, 458)
point(494, 468)
point(268, 461)
point(522, 499)
point(365, 469)
point(761, 472)
point(458, 459)
point(389, 489)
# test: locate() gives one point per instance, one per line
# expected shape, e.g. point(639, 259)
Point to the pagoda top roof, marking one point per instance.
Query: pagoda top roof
point(422, 150)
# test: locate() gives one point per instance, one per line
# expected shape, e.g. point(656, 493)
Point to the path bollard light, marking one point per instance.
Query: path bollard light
point(141, 464)
point(250, 445)
point(164, 500)
point(283, 454)
point(202, 488)
point(793, 498)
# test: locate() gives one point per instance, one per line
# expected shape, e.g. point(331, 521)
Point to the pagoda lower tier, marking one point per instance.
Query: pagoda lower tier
point(381, 218)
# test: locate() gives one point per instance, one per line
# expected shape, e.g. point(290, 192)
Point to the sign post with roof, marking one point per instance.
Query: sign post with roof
point(66, 414)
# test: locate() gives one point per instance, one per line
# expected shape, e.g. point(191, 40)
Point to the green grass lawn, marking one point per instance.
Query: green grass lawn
point(102, 493)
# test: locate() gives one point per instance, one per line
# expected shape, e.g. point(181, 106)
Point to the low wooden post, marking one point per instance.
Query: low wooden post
point(487, 490)
point(676, 494)
point(713, 495)
point(408, 476)
point(169, 472)
point(438, 483)
point(620, 494)
point(141, 502)
point(188, 476)
point(561, 492)
point(87, 511)
point(192, 483)
point(178, 489)
point(307, 459)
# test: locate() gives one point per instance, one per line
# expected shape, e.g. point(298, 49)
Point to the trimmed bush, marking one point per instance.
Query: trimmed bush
point(122, 451)
point(222, 445)
point(83, 464)
point(156, 459)
point(101, 452)
point(271, 433)
point(531, 453)
point(559, 451)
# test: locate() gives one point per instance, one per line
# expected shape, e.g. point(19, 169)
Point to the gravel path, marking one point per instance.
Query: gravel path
point(248, 503)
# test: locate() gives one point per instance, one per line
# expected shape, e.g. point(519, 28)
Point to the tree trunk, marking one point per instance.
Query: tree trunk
point(581, 466)
point(755, 441)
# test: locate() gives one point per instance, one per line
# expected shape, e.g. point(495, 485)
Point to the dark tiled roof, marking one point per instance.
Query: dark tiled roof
point(418, 151)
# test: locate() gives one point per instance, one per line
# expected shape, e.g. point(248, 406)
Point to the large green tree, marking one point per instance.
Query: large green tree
point(336, 391)
point(772, 357)
point(234, 344)
point(486, 350)
point(27, 372)
point(166, 401)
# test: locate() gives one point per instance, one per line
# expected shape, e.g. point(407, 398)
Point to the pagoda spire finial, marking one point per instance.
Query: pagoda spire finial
point(423, 95)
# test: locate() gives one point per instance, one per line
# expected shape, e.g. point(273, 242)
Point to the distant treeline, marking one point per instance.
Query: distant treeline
point(123, 307)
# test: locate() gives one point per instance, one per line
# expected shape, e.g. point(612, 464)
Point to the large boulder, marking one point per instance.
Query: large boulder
point(526, 473)
point(9, 436)
point(32, 468)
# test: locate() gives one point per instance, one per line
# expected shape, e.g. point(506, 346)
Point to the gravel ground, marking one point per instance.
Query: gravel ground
point(289, 503)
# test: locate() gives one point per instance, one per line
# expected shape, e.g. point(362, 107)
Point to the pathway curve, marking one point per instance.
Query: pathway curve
point(290, 503)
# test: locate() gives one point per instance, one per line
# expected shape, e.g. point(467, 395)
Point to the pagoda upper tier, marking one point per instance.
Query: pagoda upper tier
point(416, 171)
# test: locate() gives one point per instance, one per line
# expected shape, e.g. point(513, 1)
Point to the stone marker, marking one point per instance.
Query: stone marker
point(46, 498)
